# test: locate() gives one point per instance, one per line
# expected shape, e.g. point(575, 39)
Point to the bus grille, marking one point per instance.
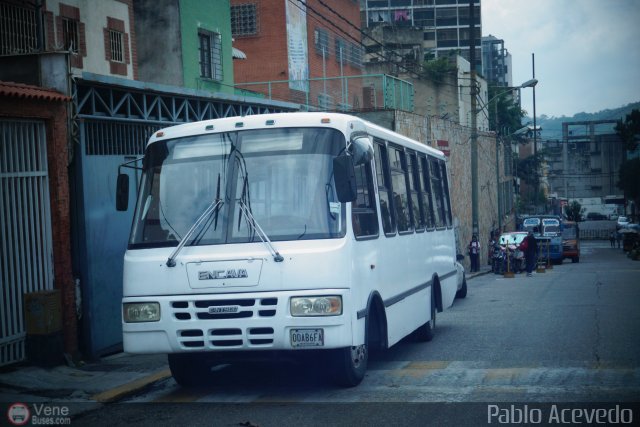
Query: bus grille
point(224, 337)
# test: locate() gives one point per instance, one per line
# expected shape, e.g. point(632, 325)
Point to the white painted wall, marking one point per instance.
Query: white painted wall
point(93, 14)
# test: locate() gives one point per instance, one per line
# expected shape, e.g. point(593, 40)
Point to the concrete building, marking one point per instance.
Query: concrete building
point(195, 37)
point(496, 62)
point(444, 24)
point(586, 162)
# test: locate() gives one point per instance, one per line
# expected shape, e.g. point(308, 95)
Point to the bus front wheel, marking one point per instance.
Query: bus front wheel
point(350, 365)
point(189, 369)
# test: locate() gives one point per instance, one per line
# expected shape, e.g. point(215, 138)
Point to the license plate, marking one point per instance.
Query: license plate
point(307, 337)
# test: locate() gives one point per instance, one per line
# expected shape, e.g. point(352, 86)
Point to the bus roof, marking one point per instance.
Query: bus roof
point(338, 121)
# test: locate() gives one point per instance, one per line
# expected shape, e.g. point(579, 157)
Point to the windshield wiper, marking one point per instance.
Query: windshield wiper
point(246, 212)
point(212, 208)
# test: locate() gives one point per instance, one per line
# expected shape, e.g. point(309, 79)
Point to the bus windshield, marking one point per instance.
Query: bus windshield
point(283, 177)
point(550, 226)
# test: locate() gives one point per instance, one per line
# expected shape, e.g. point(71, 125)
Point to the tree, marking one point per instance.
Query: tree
point(574, 211)
point(529, 167)
point(436, 70)
point(629, 129)
point(509, 113)
point(629, 180)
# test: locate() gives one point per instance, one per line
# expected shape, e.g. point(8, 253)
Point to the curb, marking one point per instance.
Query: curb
point(119, 392)
point(480, 273)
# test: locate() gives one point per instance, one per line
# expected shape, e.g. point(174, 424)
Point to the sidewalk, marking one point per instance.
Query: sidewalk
point(106, 380)
point(484, 269)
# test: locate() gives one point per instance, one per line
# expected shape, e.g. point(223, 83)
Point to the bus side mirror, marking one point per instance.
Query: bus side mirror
point(122, 192)
point(460, 257)
point(344, 175)
point(361, 149)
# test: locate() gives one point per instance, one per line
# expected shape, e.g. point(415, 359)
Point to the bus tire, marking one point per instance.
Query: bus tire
point(350, 365)
point(189, 369)
point(426, 332)
point(462, 293)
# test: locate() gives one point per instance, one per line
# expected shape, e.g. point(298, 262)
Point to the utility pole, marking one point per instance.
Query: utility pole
point(474, 125)
point(535, 138)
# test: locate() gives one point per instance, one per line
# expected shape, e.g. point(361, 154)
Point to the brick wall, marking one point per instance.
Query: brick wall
point(267, 55)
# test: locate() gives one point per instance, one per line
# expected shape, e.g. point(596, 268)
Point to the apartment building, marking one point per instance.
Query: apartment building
point(444, 24)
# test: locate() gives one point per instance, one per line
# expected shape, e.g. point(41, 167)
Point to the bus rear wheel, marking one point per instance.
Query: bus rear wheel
point(189, 369)
point(350, 365)
point(427, 331)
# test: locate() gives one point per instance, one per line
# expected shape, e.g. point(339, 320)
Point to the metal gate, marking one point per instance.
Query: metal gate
point(26, 251)
point(104, 146)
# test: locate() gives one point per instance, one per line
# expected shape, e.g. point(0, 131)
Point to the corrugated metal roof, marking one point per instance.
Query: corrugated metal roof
point(19, 90)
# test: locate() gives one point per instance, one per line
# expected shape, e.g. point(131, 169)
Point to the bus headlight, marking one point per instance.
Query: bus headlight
point(316, 306)
point(141, 312)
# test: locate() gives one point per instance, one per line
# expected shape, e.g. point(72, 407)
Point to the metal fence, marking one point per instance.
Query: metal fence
point(26, 249)
point(602, 234)
point(346, 94)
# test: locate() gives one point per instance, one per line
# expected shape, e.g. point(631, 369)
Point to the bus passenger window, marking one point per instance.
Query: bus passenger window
point(427, 201)
point(417, 208)
point(400, 189)
point(445, 188)
point(384, 189)
point(363, 211)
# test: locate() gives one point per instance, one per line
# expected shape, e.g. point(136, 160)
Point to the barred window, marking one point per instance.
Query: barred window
point(244, 20)
point(117, 46)
point(18, 26)
point(210, 47)
point(321, 41)
point(70, 34)
point(355, 56)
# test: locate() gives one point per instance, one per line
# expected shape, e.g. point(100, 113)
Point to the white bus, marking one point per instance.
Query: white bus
point(286, 232)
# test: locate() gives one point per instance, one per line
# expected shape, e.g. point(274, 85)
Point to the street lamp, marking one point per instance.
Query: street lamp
point(529, 83)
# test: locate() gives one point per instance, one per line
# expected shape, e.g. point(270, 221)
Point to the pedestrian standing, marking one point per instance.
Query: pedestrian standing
point(530, 248)
point(618, 238)
point(612, 239)
point(474, 254)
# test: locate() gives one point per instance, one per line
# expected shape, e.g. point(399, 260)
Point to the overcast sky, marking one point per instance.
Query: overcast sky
point(587, 52)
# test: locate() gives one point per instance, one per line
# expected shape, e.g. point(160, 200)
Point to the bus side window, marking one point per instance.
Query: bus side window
point(363, 211)
point(384, 189)
point(427, 200)
point(417, 205)
point(445, 188)
point(436, 187)
point(400, 189)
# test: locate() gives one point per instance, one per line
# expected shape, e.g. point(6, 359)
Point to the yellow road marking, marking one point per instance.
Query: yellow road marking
point(125, 389)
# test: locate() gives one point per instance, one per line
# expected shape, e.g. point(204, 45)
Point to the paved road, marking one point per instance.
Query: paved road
point(569, 335)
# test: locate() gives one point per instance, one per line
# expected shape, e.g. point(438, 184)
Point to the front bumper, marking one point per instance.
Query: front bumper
point(262, 322)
